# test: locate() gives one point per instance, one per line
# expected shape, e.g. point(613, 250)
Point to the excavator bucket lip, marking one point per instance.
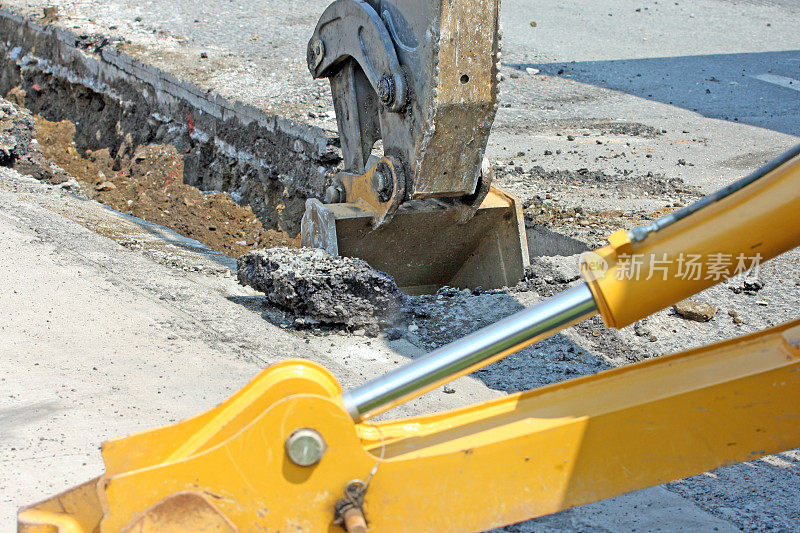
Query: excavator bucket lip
point(78, 510)
point(423, 247)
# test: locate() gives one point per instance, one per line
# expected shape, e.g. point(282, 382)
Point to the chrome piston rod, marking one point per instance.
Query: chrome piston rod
point(470, 353)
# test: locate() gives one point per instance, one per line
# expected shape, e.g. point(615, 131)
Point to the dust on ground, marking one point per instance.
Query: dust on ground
point(147, 182)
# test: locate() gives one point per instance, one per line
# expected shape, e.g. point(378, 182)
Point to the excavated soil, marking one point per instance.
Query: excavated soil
point(147, 182)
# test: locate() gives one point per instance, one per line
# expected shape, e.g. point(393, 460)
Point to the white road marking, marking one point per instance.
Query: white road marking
point(783, 81)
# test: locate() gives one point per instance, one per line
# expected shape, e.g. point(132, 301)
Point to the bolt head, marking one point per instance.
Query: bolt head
point(316, 53)
point(305, 447)
point(378, 181)
point(386, 90)
point(382, 182)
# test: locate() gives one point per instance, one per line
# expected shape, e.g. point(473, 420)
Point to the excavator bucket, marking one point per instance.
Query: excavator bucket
point(423, 247)
point(415, 90)
point(77, 510)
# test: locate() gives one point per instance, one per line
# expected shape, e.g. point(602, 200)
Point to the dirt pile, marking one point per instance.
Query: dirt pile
point(322, 289)
point(19, 148)
point(147, 182)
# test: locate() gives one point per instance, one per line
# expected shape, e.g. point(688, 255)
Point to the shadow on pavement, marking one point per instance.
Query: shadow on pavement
point(760, 89)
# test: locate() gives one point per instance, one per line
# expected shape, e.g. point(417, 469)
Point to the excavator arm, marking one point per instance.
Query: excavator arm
point(291, 451)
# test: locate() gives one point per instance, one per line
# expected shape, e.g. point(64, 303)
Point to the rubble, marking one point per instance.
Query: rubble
point(393, 334)
point(745, 284)
point(735, 316)
point(641, 330)
point(694, 310)
point(549, 275)
point(320, 288)
point(19, 148)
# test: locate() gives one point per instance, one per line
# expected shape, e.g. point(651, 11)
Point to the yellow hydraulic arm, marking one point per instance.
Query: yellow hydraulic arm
point(291, 451)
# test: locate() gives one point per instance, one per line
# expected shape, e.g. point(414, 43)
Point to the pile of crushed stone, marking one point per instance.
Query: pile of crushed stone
point(323, 289)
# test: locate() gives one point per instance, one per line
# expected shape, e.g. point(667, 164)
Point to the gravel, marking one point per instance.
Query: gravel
point(694, 310)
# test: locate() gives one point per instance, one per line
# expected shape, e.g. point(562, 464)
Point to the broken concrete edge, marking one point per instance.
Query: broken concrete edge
point(319, 288)
point(269, 162)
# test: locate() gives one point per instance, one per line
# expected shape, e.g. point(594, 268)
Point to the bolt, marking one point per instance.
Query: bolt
point(305, 447)
point(382, 182)
point(354, 520)
point(316, 53)
point(349, 511)
point(386, 90)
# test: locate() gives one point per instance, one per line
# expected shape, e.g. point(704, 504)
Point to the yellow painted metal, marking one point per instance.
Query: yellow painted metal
point(170, 443)
point(763, 220)
point(513, 458)
point(359, 190)
point(182, 512)
point(74, 511)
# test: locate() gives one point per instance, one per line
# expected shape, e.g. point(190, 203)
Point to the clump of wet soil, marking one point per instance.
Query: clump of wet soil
point(322, 289)
point(148, 183)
